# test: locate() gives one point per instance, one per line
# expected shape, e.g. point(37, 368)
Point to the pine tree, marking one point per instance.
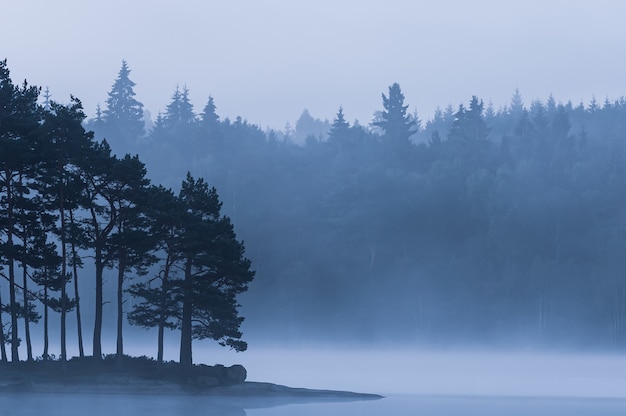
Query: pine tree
point(395, 122)
point(215, 271)
point(130, 245)
point(158, 306)
point(469, 126)
point(97, 172)
point(517, 104)
point(179, 112)
point(122, 120)
point(66, 142)
point(187, 115)
point(209, 116)
point(20, 118)
point(339, 129)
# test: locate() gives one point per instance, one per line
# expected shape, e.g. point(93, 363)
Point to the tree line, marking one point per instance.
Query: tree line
point(479, 224)
point(64, 198)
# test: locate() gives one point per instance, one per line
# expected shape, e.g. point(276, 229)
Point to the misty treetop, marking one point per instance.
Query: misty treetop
point(65, 198)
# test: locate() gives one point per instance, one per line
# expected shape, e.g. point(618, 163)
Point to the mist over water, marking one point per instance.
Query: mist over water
point(432, 372)
point(433, 382)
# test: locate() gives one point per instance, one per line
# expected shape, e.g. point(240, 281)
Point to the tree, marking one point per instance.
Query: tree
point(469, 126)
point(209, 116)
point(47, 274)
point(20, 117)
point(158, 305)
point(339, 129)
point(122, 120)
point(210, 129)
point(179, 111)
point(97, 172)
point(65, 144)
point(395, 122)
point(3, 337)
point(129, 246)
point(33, 224)
point(202, 243)
point(517, 104)
point(215, 271)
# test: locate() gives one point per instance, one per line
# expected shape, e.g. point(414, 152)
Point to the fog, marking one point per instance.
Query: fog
point(268, 62)
point(426, 372)
point(431, 196)
point(439, 382)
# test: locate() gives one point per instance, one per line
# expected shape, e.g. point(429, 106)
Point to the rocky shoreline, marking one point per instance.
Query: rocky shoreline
point(144, 376)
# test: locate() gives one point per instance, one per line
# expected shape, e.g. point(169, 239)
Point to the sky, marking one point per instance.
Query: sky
point(268, 60)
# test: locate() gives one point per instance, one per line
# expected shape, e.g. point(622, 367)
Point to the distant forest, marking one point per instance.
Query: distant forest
point(477, 226)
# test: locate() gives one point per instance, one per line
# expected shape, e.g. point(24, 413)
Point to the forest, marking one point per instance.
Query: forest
point(64, 198)
point(480, 225)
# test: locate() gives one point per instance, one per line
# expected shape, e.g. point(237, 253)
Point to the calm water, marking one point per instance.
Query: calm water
point(97, 405)
point(424, 383)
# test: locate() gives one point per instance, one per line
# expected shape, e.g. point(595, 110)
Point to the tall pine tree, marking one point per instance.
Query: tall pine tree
point(122, 121)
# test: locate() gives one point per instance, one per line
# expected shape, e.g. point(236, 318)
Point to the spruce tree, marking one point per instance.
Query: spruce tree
point(398, 127)
point(339, 129)
point(122, 120)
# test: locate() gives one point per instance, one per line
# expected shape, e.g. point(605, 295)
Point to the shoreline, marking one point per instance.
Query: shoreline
point(133, 376)
point(248, 394)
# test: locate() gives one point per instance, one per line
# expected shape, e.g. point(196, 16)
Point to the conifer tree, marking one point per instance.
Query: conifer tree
point(122, 120)
point(20, 117)
point(130, 245)
point(395, 122)
point(209, 114)
point(202, 302)
point(66, 142)
point(339, 129)
point(97, 172)
point(158, 305)
point(215, 271)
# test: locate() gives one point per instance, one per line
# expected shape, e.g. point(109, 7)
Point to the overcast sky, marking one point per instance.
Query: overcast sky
point(267, 60)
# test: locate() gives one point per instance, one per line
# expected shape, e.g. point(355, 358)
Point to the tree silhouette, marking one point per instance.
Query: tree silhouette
point(395, 122)
point(122, 120)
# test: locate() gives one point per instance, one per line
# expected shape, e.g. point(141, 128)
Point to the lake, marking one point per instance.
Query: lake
point(101, 405)
point(415, 382)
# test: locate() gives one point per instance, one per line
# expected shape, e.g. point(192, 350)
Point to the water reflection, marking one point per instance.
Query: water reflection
point(28, 404)
point(106, 404)
point(103, 404)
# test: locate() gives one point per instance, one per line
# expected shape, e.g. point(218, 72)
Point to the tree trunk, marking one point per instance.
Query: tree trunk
point(100, 238)
point(12, 288)
point(120, 299)
point(81, 350)
point(63, 278)
point(185, 327)
point(15, 341)
point(45, 323)
point(29, 345)
point(97, 327)
point(3, 350)
point(163, 307)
